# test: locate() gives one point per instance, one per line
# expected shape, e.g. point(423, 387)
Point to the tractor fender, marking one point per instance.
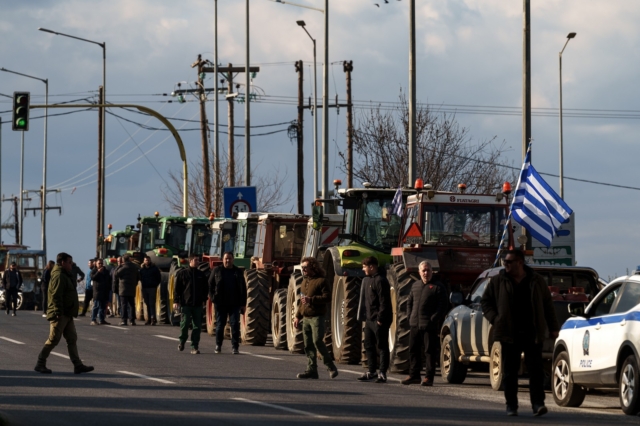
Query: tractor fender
point(332, 257)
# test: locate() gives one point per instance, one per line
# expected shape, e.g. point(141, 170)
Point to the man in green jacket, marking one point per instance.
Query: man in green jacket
point(62, 309)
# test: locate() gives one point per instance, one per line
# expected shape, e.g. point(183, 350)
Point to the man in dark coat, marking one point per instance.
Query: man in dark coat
point(62, 309)
point(517, 303)
point(377, 320)
point(426, 306)
point(11, 281)
point(126, 278)
point(44, 286)
point(228, 292)
point(150, 278)
point(101, 280)
point(189, 295)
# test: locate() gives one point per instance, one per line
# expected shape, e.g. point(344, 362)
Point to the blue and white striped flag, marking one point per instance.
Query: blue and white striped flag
point(396, 204)
point(536, 206)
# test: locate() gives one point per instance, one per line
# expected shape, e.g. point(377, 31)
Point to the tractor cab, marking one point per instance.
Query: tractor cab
point(198, 238)
point(161, 238)
point(118, 243)
point(279, 242)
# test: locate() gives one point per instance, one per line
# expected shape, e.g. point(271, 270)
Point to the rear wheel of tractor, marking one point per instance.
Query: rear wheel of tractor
point(162, 299)
point(254, 324)
point(345, 327)
point(279, 319)
point(399, 339)
point(496, 367)
point(295, 341)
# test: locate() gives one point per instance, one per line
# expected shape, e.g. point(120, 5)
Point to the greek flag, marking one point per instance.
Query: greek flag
point(536, 206)
point(396, 204)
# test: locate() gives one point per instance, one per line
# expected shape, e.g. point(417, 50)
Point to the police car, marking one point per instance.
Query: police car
point(599, 347)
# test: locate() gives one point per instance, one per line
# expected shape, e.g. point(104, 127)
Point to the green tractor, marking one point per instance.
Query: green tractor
point(118, 243)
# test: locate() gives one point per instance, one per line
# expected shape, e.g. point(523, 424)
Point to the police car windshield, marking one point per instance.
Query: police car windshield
point(467, 226)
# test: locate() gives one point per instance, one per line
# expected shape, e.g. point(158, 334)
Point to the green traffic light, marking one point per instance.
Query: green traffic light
point(21, 122)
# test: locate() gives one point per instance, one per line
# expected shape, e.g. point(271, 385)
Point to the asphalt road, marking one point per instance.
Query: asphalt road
point(141, 378)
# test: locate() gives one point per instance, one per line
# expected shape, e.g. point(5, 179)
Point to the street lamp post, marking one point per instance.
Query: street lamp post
point(315, 113)
point(43, 220)
point(101, 162)
point(569, 37)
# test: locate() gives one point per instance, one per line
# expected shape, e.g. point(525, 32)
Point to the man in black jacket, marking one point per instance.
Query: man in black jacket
point(228, 292)
point(11, 281)
point(150, 278)
point(378, 318)
point(517, 303)
point(426, 306)
point(189, 295)
point(126, 279)
point(101, 280)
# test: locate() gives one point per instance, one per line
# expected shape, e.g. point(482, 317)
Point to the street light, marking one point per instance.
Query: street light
point(569, 37)
point(43, 220)
point(101, 148)
point(315, 113)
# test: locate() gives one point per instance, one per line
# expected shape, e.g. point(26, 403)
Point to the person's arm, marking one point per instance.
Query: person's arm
point(212, 284)
point(157, 276)
point(488, 302)
point(324, 297)
point(443, 304)
point(79, 272)
point(384, 296)
point(178, 288)
point(19, 279)
point(95, 273)
point(55, 297)
point(243, 291)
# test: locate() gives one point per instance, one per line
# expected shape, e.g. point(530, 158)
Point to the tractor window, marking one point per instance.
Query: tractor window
point(411, 216)
point(379, 227)
point(229, 239)
point(148, 236)
point(288, 240)
point(310, 242)
point(201, 239)
point(258, 247)
point(41, 262)
point(24, 262)
point(176, 236)
point(252, 232)
point(215, 244)
point(463, 226)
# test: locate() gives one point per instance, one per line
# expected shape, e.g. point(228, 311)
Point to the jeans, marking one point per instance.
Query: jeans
point(149, 296)
point(423, 341)
point(313, 333)
point(64, 326)
point(193, 315)
point(221, 322)
point(11, 298)
point(98, 309)
point(128, 305)
point(511, 358)
point(376, 341)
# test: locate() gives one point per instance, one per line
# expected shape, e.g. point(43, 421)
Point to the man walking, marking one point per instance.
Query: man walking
point(228, 293)
point(314, 297)
point(150, 278)
point(126, 278)
point(426, 306)
point(517, 303)
point(11, 281)
point(101, 280)
point(88, 289)
point(378, 317)
point(189, 295)
point(63, 307)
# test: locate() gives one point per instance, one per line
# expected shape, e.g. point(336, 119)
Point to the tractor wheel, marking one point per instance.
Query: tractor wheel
point(254, 324)
point(140, 306)
point(345, 327)
point(162, 299)
point(399, 338)
point(211, 318)
point(295, 342)
point(279, 319)
point(174, 315)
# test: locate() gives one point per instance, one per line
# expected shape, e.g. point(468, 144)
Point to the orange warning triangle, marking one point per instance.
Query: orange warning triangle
point(413, 231)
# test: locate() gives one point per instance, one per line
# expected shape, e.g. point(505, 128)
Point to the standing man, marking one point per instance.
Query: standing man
point(101, 280)
point(126, 278)
point(63, 307)
point(88, 289)
point(44, 286)
point(189, 295)
point(11, 281)
point(114, 289)
point(228, 293)
point(426, 306)
point(314, 297)
point(150, 278)
point(517, 303)
point(378, 318)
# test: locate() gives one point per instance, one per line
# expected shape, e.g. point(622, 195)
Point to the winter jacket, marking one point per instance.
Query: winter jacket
point(126, 280)
point(150, 276)
point(46, 277)
point(76, 271)
point(316, 288)
point(88, 284)
point(6, 279)
point(191, 287)
point(101, 283)
point(218, 290)
point(377, 297)
point(497, 301)
point(63, 295)
point(427, 304)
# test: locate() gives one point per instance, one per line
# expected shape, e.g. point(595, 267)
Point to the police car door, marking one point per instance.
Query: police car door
point(593, 337)
point(473, 323)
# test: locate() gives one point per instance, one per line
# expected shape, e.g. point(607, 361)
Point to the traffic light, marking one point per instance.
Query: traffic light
point(20, 111)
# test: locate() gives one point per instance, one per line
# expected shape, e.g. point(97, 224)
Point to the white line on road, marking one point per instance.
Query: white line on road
point(359, 373)
point(142, 376)
point(259, 356)
point(60, 355)
point(279, 407)
point(116, 327)
point(11, 340)
point(167, 337)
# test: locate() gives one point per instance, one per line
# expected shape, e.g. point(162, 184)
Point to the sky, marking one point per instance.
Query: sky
point(469, 61)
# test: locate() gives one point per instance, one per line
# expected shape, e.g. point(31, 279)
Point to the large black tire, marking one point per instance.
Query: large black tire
point(162, 299)
point(295, 341)
point(565, 392)
point(254, 324)
point(279, 319)
point(399, 332)
point(496, 367)
point(345, 328)
point(629, 385)
point(451, 370)
point(175, 316)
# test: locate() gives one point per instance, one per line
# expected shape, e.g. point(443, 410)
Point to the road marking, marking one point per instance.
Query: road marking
point(279, 407)
point(359, 373)
point(167, 337)
point(260, 356)
point(60, 355)
point(142, 376)
point(11, 340)
point(116, 327)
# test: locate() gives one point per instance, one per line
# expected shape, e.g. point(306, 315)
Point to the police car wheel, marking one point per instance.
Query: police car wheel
point(565, 392)
point(630, 386)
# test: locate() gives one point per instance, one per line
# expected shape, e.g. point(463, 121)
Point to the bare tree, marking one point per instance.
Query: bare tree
point(446, 154)
point(269, 192)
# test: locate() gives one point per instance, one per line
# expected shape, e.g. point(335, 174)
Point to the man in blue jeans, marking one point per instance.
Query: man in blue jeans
point(228, 292)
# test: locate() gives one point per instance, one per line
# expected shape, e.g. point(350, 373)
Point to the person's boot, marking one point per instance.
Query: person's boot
point(133, 322)
point(123, 322)
point(147, 322)
point(78, 369)
point(333, 371)
point(153, 321)
point(308, 375)
point(41, 367)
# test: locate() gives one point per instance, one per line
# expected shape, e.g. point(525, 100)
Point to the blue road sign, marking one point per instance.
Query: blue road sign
point(239, 199)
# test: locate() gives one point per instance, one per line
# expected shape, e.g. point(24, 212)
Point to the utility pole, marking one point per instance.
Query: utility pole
point(300, 134)
point(15, 225)
point(348, 67)
point(526, 90)
point(231, 128)
point(216, 133)
point(325, 106)
point(203, 134)
point(99, 224)
point(412, 93)
point(43, 207)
